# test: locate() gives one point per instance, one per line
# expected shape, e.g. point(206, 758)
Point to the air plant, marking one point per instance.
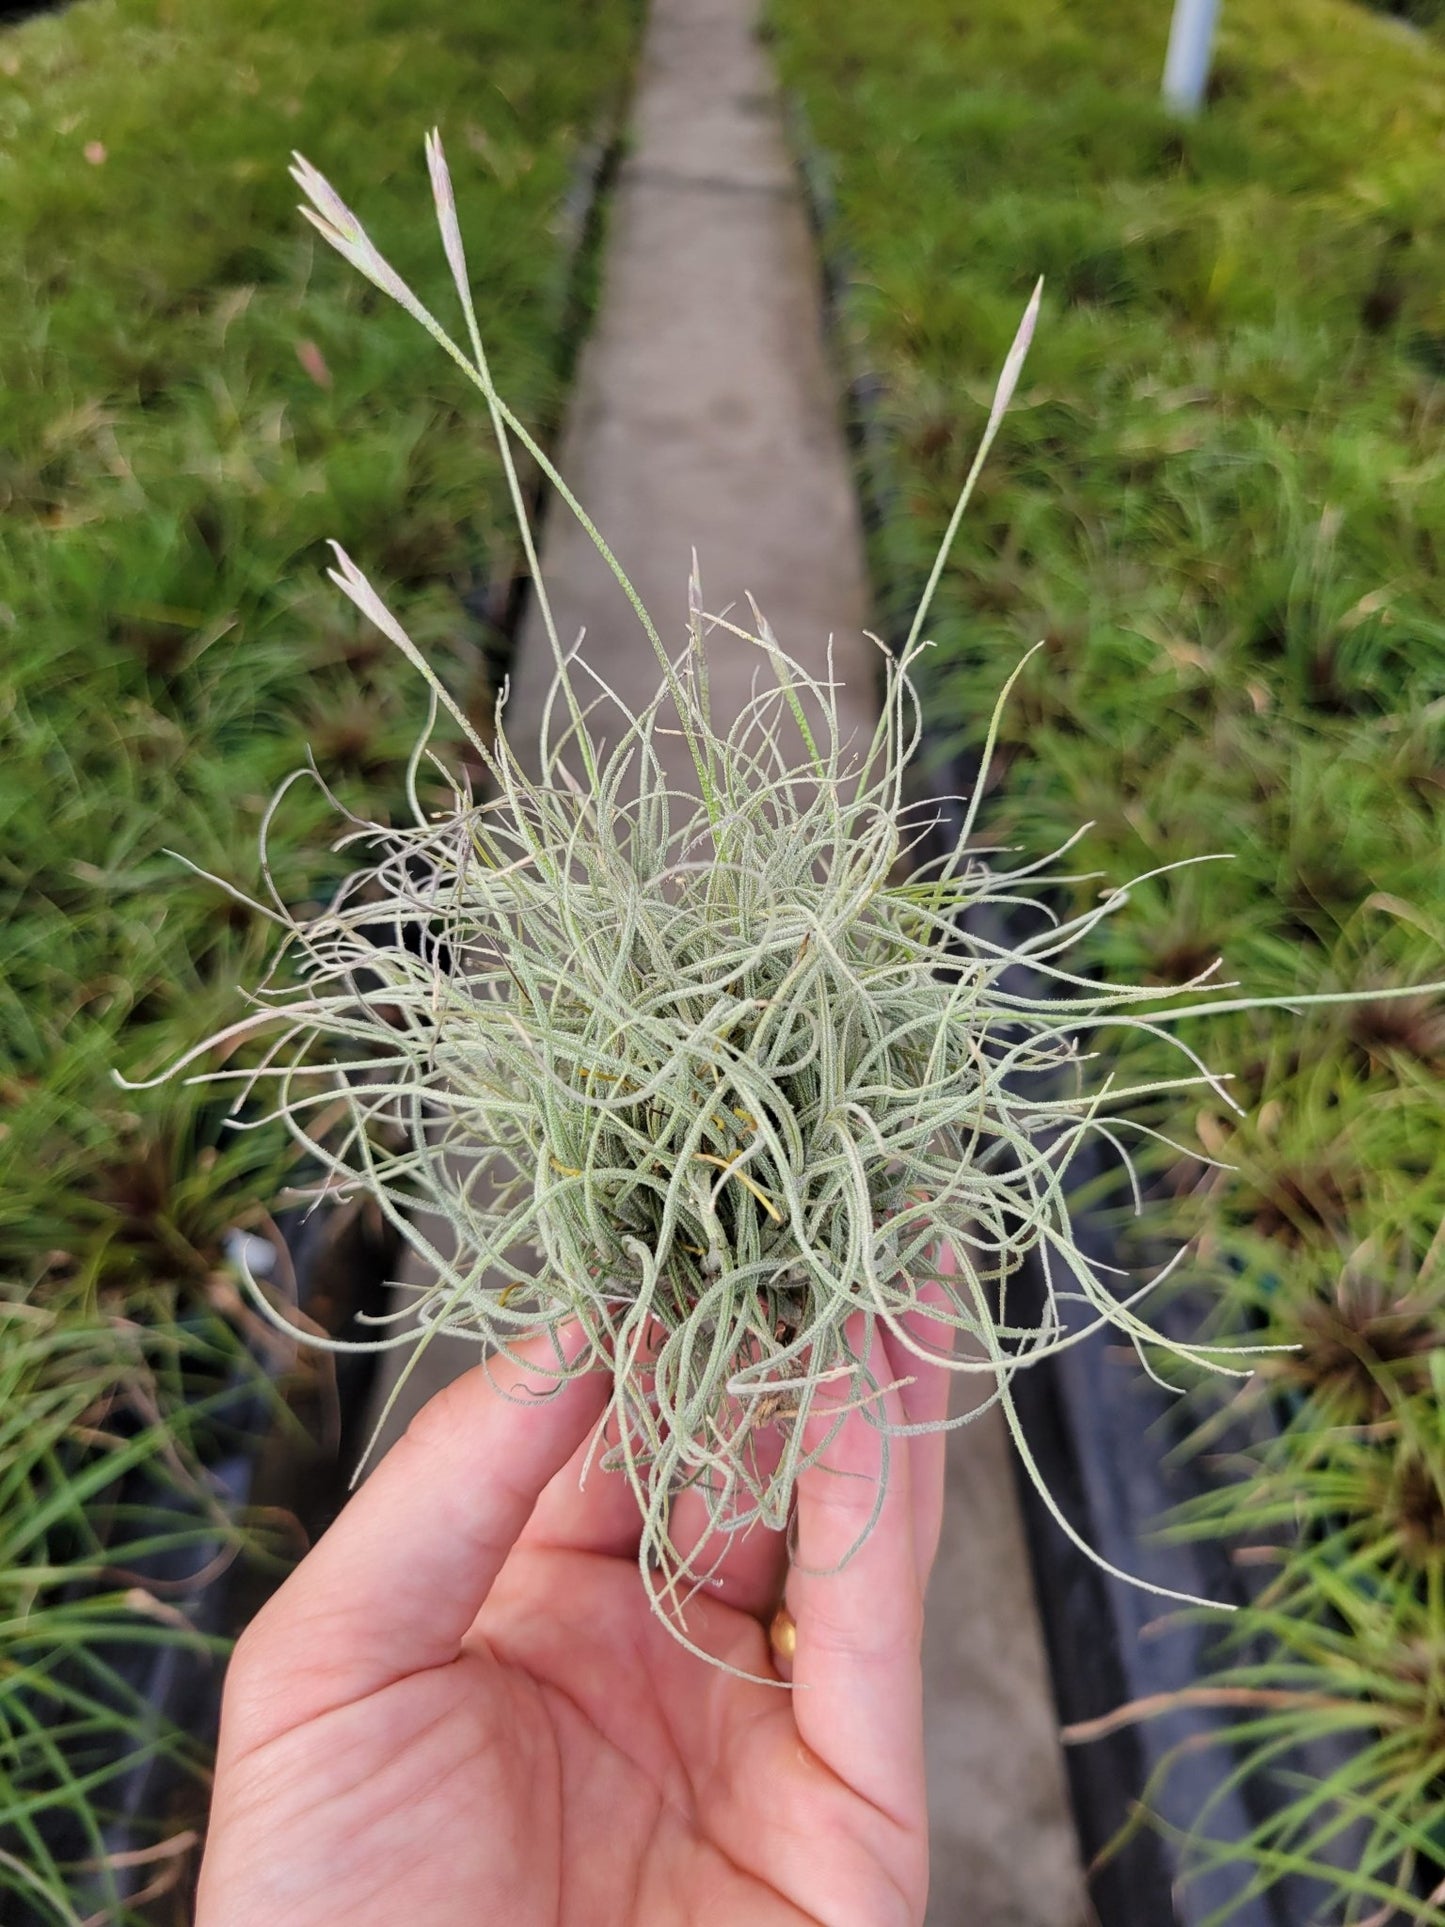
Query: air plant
point(699, 1075)
point(1350, 1676)
point(1366, 1327)
point(1331, 1687)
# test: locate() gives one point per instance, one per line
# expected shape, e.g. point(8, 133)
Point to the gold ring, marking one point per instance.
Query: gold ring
point(783, 1634)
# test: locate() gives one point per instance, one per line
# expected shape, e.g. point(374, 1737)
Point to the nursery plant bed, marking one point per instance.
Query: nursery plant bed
point(284, 1430)
point(295, 1468)
point(194, 1549)
point(1101, 1433)
point(173, 647)
point(339, 1264)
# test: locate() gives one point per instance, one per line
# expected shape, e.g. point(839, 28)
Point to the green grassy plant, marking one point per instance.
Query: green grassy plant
point(1219, 505)
point(185, 416)
point(1342, 1515)
point(180, 433)
point(107, 1417)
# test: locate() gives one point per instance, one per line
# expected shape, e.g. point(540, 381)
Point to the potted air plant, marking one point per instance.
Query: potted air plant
point(707, 1076)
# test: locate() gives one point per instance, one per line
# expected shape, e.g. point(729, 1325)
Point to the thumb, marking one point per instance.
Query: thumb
point(397, 1581)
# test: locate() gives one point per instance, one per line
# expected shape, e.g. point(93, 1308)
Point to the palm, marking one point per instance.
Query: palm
point(563, 1758)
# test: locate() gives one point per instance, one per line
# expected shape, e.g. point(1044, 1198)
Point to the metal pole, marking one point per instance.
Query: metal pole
point(1186, 66)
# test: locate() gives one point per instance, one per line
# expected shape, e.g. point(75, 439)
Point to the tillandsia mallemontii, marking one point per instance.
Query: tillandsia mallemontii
point(696, 1075)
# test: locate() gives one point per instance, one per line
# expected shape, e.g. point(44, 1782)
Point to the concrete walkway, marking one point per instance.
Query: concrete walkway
point(706, 416)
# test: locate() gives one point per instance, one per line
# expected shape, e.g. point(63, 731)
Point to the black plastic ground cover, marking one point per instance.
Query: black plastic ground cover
point(1099, 1429)
point(1417, 15)
point(333, 1281)
point(336, 1268)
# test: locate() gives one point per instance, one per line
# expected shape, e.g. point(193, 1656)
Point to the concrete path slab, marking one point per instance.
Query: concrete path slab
point(705, 415)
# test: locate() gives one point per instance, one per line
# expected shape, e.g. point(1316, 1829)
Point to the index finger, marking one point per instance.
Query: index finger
point(857, 1606)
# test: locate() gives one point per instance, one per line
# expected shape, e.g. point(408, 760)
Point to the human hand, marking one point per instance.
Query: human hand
point(461, 1707)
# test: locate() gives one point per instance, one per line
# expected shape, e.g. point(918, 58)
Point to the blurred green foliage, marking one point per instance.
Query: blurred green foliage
point(195, 398)
point(191, 410)
point(1220, 499)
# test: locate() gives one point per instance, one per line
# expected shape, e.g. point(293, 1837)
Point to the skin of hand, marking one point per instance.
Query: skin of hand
point(461, 1707)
